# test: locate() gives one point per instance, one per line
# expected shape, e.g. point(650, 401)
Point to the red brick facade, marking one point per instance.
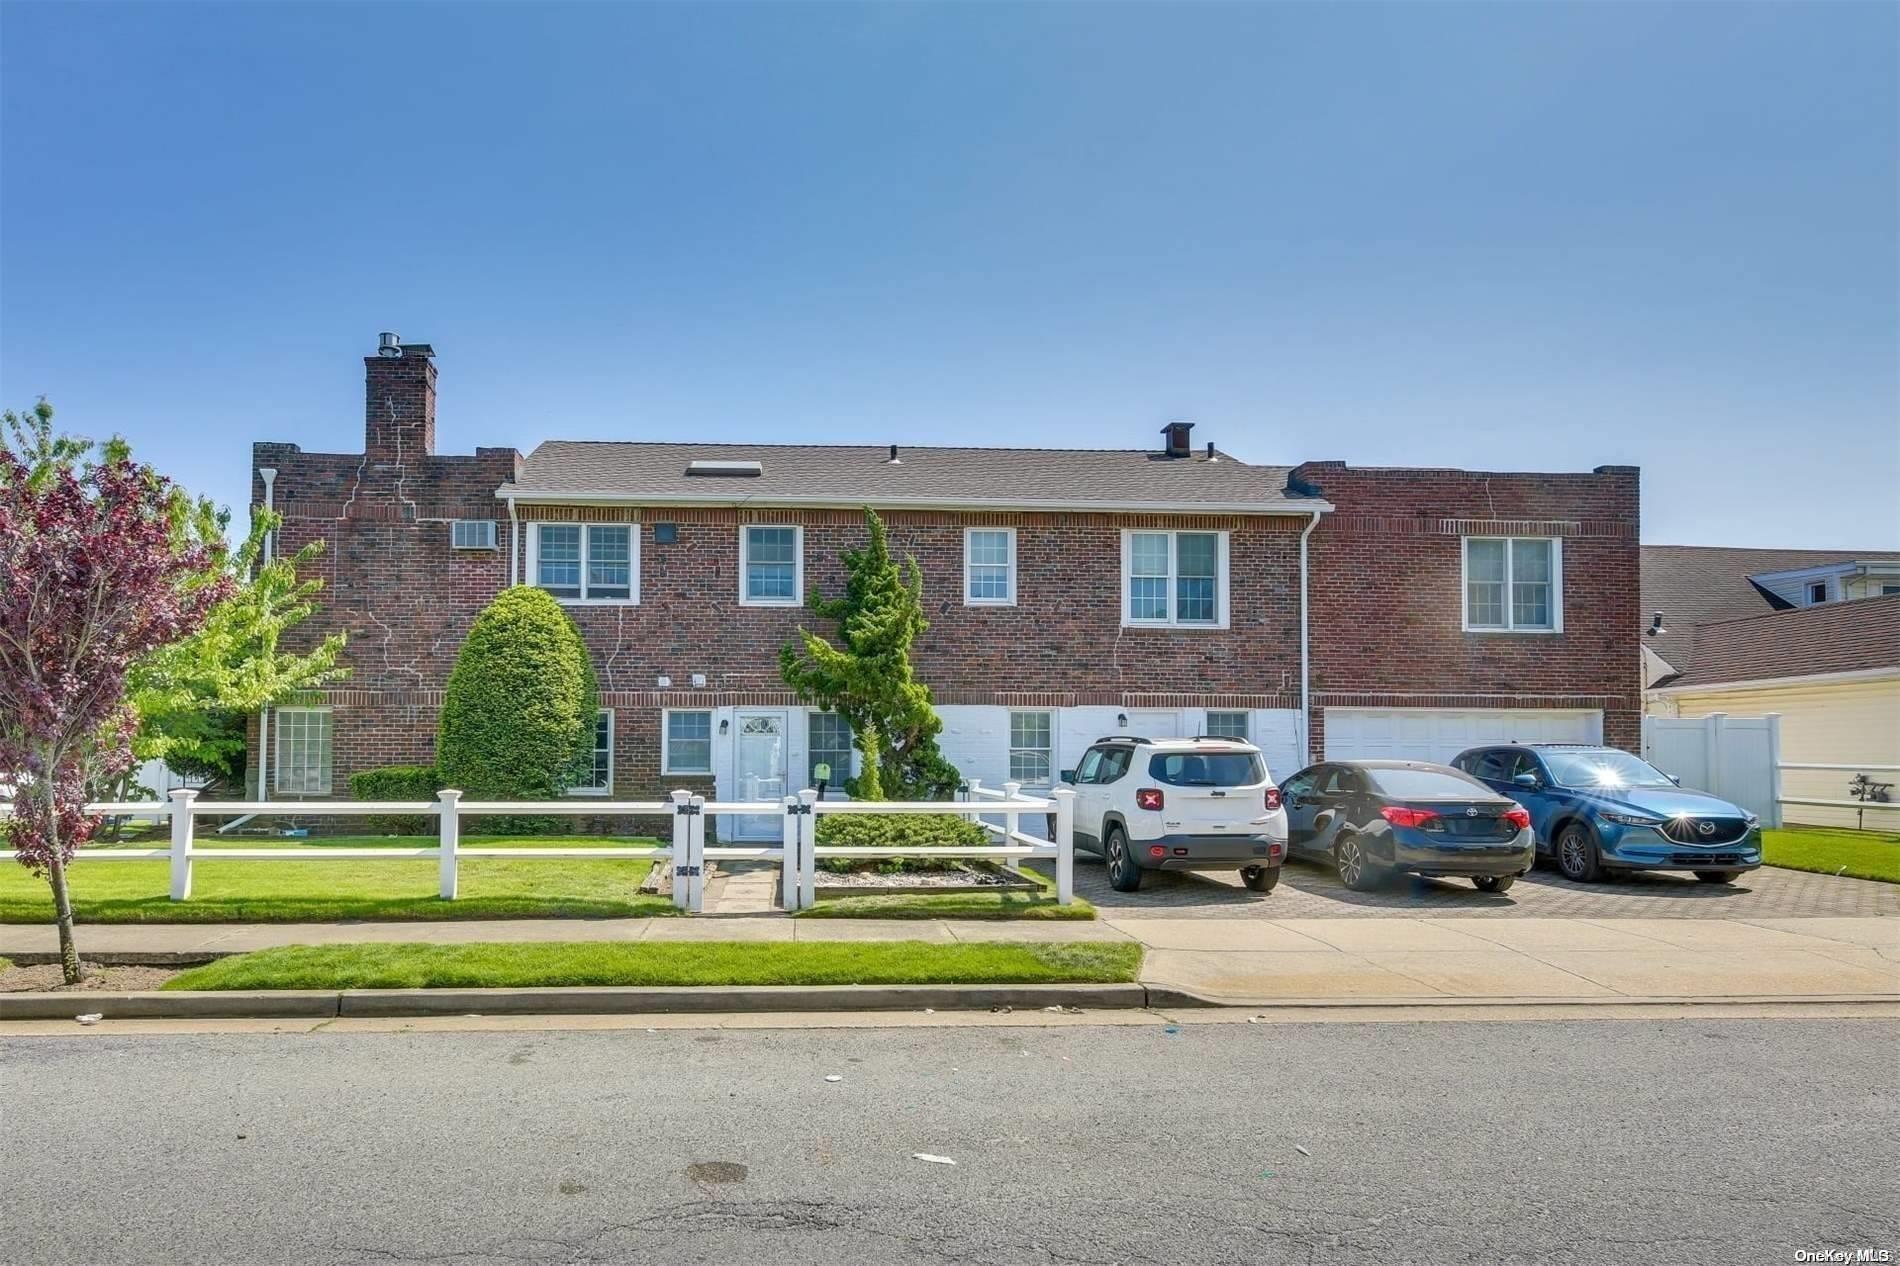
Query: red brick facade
point(1385, 588)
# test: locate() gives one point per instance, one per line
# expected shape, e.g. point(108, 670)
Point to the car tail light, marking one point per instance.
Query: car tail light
point(1407, 817)
point(1155, 850)
point(1519, 817)
point(1148, 798)
point(1273, 799)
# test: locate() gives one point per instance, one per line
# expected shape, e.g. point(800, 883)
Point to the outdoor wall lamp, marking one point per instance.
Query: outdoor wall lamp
point(1121, 720)
point(724, 725)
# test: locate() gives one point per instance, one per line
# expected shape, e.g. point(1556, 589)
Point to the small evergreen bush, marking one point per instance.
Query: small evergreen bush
point(896, 830)
point(397, 782)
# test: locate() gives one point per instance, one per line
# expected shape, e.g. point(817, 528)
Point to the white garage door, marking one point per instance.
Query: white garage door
point(1438, 734)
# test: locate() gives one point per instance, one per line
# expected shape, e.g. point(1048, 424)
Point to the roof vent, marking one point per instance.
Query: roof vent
point(728, 470)
point(895, 460)
point(1179, 445)
point(387, 344)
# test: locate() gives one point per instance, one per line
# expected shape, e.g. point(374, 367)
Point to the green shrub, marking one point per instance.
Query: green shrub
point(397, 782)
point(518, 713)
point(896, 830)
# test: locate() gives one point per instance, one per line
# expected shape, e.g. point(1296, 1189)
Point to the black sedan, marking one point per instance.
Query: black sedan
point(1376, 818)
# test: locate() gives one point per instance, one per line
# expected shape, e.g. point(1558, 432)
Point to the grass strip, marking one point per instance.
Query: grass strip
point(482, 965)
point(1862, 854)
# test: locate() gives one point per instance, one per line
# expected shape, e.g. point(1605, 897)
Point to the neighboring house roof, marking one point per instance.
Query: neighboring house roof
point(864, 474)
point(1835, 637)
point(1698, 584)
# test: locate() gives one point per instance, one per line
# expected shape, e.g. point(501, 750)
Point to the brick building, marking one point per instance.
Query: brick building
point(1071, 594)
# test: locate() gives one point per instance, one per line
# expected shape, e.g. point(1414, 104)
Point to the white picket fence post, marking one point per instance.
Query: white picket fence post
point(696, 849)
point(181, 842)
point(449, 837)
point(788, 863)
point(807, 850)
point(1065, 845)
point(682, 835)
point(1009, 826)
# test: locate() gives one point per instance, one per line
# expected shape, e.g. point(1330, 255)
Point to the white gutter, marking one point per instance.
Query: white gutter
point(1306, 692)
point(552, 496)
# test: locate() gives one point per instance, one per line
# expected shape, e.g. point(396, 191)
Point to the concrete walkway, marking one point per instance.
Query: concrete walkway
point(1252, 962)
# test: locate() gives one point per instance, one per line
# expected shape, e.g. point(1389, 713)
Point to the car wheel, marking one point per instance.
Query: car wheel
point(1577, 854)
point(1716, 876)
point(1356, 870)
point(1260, 878)
point(1123, 874)
point(1493, 883)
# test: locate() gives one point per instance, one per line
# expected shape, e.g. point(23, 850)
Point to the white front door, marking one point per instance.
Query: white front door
point(758, 772)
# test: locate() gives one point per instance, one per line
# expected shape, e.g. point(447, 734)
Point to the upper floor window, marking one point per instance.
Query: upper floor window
point(1817, 593)
point(591, 562)
point(303, 751)
point(1513, 584)
point(1174, 578)
point(596, 774)
point(771, 566)
point(472, 534)
point(989, 567)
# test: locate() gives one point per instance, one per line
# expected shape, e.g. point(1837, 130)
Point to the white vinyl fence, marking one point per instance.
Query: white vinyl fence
point(1739, 759)
point(796, 854)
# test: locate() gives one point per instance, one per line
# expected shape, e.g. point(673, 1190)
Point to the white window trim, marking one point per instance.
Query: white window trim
point(494, 537)
point(798, 566)
point(1246, 721)
point(666, 743)
point(633, 563)
point(1009, 599)
point(1807, 593)
point(277, 753)
point(612, 738)
point(1010, 747)
point(1507, 628)
point(1173, 534)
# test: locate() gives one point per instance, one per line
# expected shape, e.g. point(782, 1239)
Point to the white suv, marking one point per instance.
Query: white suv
point(1179, 804)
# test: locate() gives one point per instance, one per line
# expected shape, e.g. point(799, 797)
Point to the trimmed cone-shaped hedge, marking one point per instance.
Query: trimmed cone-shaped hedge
point(518, 714)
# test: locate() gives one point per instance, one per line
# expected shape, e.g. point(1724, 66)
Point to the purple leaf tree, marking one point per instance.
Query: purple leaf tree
point(96, 570)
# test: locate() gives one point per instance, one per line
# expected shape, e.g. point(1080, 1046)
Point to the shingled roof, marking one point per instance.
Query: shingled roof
point(1694, 585)
point(863, 474)
point(1833, 637)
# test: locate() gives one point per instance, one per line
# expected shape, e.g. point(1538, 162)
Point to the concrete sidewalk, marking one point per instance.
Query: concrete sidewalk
point(1255, 961)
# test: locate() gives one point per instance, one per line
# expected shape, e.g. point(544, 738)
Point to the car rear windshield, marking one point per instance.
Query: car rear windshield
point(1207, 769)
point(1425, 783)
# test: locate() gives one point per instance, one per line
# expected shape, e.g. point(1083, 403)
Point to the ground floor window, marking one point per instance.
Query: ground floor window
point(830, 745)
point(303, 751)
point(688, 743)
point(597, 773)
point(1231, 725)
point(1031, 748)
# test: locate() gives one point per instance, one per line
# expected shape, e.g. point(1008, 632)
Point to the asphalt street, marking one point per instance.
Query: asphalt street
point(1717, 1141)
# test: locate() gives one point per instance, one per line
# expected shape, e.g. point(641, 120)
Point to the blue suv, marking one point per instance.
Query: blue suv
point(1598, 809)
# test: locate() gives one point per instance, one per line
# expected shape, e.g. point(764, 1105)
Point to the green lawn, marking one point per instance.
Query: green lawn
point(1862, 854)
point(957, 905)
point(322, 891)
point(479, 965)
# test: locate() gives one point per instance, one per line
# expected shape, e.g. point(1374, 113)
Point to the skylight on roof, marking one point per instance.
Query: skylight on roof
point(727, 469)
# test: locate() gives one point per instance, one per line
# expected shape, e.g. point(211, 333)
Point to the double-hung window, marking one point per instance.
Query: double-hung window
point(1031, 748)
point(1174, 579)
point(1231, 725)
point(596, 774)
point(687, 743)
point(989, 567)
point(1513, 584)
point(771, 566)
point(830, 746)
point(303, 751)
point(587, 562)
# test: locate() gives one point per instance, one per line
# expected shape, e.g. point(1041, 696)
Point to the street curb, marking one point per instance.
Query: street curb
point(326, 1003)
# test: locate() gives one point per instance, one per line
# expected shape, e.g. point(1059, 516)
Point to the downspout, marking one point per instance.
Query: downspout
point(269, 475)
point(1306, 669)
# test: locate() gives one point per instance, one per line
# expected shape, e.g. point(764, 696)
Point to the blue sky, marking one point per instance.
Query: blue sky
point(1536, 236)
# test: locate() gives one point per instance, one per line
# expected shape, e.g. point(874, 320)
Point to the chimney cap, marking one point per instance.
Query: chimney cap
point(388, 344)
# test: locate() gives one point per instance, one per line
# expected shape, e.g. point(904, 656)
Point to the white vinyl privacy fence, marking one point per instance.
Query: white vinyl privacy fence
point(1739, 759)
point(796, 854)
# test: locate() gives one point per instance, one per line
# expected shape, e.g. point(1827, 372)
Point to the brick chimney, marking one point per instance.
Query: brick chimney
point(399, 401)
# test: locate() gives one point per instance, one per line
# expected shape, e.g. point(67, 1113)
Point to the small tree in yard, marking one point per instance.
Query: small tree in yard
point(518, 715)
point(98, 568)
point(866, 677)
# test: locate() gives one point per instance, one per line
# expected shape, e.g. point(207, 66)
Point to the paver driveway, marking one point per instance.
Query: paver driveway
point(1308, 890)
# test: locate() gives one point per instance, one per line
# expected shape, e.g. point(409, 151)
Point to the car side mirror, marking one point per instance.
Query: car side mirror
point(1068, 775)
point(1529, 782)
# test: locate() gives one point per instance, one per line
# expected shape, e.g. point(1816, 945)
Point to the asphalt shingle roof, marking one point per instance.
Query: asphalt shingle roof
point(864, 474)
point(1698, 584)
point(1831, 638)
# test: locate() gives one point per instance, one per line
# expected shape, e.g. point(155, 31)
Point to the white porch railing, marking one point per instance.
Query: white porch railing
point(796, 854)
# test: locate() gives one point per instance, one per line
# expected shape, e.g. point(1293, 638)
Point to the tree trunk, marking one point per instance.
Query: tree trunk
point(63, 908)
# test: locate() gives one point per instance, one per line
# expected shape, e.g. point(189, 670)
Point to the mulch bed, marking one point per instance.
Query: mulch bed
point(45, 978)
